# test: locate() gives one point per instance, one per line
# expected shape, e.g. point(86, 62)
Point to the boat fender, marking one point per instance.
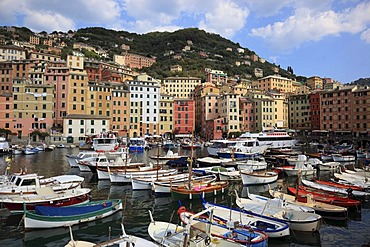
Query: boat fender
point(181, 209)
point(207, 241)
point(104, 204)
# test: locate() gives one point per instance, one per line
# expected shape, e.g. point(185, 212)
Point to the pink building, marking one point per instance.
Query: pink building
point(214, 129)
point(184, 116)
point(57, 74)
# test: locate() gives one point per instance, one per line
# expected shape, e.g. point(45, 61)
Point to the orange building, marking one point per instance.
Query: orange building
point(184, 116)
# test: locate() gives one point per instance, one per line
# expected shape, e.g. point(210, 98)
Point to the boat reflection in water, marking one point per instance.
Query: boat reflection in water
point(97, 231)
point(257, 189)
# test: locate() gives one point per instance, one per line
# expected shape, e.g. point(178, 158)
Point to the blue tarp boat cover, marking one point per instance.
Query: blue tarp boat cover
point(71, 210)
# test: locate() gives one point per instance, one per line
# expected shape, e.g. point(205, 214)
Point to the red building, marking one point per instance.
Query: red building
point(315, 111)
point(184, 116)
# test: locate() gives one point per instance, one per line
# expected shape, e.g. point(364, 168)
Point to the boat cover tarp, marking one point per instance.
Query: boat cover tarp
point(69, 211)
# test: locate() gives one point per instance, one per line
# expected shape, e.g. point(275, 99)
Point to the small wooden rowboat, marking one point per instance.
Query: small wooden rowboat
point(198, 189)
point(244, 235)
point(356, 193)
point(325, 197)
point(52, 217)
point(252, 178)
point(340, 185)
point(326, 210)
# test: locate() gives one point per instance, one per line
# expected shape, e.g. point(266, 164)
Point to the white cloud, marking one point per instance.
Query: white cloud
point(366, 35)
point(308, 25)
point(47, 21)
point(226, 18)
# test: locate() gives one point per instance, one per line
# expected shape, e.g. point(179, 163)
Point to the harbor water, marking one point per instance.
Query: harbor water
point(352, 232)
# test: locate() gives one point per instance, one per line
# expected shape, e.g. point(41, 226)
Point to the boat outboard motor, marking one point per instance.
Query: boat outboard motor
point(350, 194)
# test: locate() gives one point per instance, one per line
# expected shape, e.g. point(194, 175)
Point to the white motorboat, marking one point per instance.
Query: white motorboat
point(259, 177)
point(125, 176)
point(254, 165)
point(343, 158)
point(17, 184)
point(328, 166)
point(299, 168)
point(300, 219)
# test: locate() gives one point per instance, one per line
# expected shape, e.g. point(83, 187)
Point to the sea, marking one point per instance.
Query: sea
point(355, 231)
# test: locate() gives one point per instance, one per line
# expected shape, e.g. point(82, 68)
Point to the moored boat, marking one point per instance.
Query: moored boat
point(52, 217)
point(258, 177)
point(24, 184)
point(242, 234)
point(45, 196)
point(196, 189)
point(355, 193)
point(322, 197)
point(320, 204)
point(300, 219)
point(274, 228)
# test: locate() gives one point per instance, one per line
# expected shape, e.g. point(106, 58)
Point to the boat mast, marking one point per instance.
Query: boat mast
point(191, 160)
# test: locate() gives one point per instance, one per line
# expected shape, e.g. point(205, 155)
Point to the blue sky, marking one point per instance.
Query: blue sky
point(326, 38)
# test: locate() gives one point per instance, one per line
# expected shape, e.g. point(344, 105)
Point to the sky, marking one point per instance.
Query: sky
point(325, 38)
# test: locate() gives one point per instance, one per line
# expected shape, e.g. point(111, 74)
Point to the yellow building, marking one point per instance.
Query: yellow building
point(315, 82)
point(166, 111)
point(299, 112)
point(120, 109)
point(263, 109)
point(77, 86)
point(280, 109)
point(274, 82)
point(180, 87)
point(33, 107)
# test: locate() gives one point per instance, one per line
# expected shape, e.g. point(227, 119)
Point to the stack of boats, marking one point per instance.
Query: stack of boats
point(29, 190)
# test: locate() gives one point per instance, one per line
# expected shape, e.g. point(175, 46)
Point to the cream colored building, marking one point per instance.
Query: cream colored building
point(228, 105)
point(144, 105)
point(78, 126)
point(180, 87)
point(8, 53)
point(274, 82)
point(263, 109)
point(45, 57)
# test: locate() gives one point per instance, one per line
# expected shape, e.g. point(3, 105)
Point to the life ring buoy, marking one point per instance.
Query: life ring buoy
point(181, 210)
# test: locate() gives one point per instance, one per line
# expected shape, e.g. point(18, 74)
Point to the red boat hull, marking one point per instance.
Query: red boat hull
point(18, 206)
point(325, 198)
point(341, 186)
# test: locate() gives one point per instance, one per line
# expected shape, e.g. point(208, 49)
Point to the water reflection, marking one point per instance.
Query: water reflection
point(135, 216)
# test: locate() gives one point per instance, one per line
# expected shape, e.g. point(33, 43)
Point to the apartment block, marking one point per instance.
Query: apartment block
point(180, 87)
point(120, 122)
point(9, 53)
point(184, 116)
point(33, 107)
point(144, 106)
point(300, 112)
point(166, 115)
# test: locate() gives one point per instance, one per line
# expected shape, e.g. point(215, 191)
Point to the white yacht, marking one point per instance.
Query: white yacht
point(276, 138)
